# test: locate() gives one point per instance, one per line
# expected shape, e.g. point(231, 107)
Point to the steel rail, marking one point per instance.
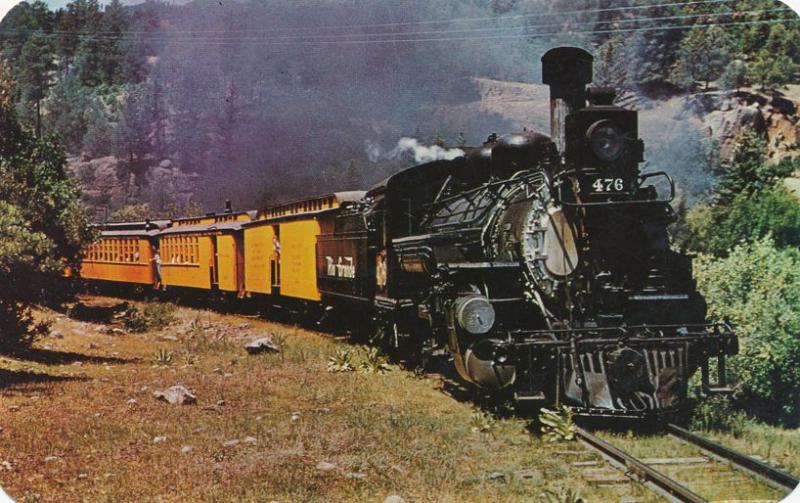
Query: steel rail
point(752, 465)
point(667, 486)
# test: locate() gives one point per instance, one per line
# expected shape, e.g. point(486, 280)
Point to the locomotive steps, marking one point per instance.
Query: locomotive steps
point(80, 422)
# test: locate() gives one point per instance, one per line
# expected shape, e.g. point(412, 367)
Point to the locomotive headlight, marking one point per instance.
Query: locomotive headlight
point(606, 140)
point(475, 314)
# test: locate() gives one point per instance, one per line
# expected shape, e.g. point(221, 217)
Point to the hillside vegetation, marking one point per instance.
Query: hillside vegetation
point(172, 104)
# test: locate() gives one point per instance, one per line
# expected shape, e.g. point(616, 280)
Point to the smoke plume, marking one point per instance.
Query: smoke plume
point(424, 153)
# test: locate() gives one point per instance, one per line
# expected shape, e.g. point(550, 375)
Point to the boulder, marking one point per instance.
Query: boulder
point(176, 395)
point(324, 466)
point(262, 345)
point(394, 499)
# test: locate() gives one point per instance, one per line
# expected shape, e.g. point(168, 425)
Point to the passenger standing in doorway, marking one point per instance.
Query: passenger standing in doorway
point(157, 259)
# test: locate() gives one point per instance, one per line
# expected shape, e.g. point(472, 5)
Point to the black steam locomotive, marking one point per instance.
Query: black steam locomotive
point(542, 265)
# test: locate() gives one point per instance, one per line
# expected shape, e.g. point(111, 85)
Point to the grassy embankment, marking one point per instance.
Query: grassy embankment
point(80, 423)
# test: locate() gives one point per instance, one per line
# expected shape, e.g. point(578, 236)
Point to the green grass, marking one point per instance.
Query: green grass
point(715, 481)
point(401, 432)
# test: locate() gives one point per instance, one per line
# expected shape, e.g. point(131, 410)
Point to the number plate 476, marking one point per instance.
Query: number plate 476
point(608, 185)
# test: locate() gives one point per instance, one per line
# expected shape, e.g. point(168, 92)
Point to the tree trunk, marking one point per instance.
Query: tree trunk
point(38, 118)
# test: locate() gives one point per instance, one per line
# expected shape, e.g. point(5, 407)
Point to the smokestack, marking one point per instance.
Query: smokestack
point(228, 208)
point(566, 70)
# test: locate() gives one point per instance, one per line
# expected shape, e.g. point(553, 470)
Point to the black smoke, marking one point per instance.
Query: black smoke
point(279, 99)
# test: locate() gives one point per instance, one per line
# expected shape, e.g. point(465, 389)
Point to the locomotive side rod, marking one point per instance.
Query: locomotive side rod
point(761, 469)
point(654, 479)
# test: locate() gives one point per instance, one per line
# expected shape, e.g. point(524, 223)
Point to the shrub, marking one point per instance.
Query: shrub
point(718, 413)
point(153, 316)
point(341, 361)
point(557, 426)
point(562, 496)
point(163, 358)
point(374, 362)
point(42, 227)
point(746, 218)
point(757, 288)
point(483, 423)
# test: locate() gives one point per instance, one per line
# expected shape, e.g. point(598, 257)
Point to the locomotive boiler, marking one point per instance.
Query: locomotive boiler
point(542, 264)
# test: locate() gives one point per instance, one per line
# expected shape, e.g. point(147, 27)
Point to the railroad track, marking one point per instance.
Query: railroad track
point(673, 490)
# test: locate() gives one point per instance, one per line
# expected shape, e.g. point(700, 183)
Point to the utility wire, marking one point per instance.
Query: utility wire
point(456, 39)
point(707, 16)
point(524, 31)
point(429, 22)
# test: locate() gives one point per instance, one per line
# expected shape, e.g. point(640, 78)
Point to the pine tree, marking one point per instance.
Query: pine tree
point(703, 55)
point(35, 74)
point(650, 54)
point(772, 70)
point(609, 65)
point(66, 109)
point(735, 75)
point(20, 23)
point(134, 129)
point(78, 25)
point(775, 64)
point(114, 22)
point(747, 172)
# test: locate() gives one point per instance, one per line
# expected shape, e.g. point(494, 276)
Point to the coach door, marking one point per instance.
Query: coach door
point(275, 260)
point(239, 249)
point(214, 269)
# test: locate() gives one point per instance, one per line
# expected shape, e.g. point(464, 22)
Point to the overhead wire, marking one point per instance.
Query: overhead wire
point(704, 15)
point(391, 37)
point(551, 34)
point(411, 23)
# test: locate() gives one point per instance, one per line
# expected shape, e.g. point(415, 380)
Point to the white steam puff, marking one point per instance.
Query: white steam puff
point(424, 153)
point(373, 150)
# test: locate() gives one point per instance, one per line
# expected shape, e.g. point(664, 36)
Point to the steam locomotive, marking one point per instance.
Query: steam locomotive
point(541, 264)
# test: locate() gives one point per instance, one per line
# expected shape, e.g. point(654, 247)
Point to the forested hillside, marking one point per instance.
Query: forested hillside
point(184, 105)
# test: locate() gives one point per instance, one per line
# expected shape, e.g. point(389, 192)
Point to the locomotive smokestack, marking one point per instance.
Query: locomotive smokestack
point(228, 208)
point(566, 70)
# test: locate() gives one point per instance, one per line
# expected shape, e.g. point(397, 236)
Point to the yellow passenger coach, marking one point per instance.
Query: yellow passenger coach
point(123, 253)
point(269, 252)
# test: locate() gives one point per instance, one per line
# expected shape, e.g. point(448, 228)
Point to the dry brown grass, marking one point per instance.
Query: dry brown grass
point(79, 422)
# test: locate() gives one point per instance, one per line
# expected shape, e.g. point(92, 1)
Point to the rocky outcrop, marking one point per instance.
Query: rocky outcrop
point(726, 115)
point(107, 185)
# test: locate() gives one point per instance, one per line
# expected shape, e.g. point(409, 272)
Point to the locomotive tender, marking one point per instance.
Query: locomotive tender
point(541, 264)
